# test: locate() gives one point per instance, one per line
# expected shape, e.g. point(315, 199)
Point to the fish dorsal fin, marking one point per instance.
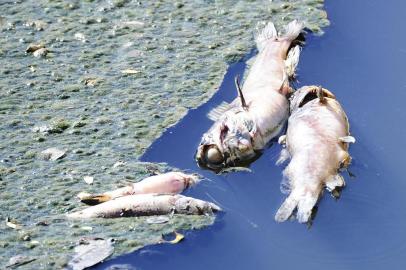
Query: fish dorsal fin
point(218, 111)
point(320, 95)
point(347, 139)
point(240, 94)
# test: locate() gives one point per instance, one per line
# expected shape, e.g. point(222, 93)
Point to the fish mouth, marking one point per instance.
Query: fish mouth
point(210, 157)
point(226, 161)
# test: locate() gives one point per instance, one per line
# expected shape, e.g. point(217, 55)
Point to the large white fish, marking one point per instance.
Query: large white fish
point(167, 183)
point(243, 128)
point(316, 141)
point(147, 205)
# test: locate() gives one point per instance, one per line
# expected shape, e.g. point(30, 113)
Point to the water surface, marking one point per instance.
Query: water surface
point(360, 59)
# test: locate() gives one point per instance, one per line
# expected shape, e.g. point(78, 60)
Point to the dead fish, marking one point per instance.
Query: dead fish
point(246, 126)
point(90, 252)
point(317, 142)
point(147, 205)
point(167, 183)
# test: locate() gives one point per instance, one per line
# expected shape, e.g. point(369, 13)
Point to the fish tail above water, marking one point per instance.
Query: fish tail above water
point(304, 202)
point(293, 30)
point(268, 35)
point(265, 34)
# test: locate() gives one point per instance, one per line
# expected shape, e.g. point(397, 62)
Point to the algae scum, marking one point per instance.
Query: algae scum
point(111, 77)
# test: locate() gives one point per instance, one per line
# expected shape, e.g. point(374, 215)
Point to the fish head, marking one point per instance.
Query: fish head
point(229, 142)
point(307, 94)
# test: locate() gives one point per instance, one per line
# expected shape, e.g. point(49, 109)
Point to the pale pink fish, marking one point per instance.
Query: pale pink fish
point(245, 127)
point(316, 141)
point(147, 205)
point(167, 183)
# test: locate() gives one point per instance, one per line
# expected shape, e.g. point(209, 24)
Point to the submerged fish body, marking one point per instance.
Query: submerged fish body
point(316, 141)
point(147, 205)
point(243, 128)
point(167, 183)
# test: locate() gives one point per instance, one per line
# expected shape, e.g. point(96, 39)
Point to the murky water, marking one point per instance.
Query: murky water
point(116, 75)
point(360, 58)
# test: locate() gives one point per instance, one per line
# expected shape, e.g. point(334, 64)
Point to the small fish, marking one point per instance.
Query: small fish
point(167, 183)
point(147, 205)
point(316, 143)
point(246, 126)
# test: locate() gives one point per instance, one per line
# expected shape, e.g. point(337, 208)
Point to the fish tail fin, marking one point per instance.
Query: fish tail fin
point(305, 207)
point(268, 32)
point(287, 208)
point(293, 30)
point(303, 202)
point(91, 199)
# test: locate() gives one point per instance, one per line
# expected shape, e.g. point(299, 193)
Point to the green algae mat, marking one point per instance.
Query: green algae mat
point(99, 81)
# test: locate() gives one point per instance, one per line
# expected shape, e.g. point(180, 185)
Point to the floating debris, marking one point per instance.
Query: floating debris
point(87, 228)
point(158, 220)
point(42, 223)
point(119, 164)
point(236, 169)
point(34, 47)
point(178, 237)
point(88, 179)
point(130, 71)
point(80, 37)
point(42, 129)
point(38, 25)
point(53, 154)
point(19, 260)
point(91, 81)
point(12, 224)
point(41, 52)
point(90, 252)
point(133, 23)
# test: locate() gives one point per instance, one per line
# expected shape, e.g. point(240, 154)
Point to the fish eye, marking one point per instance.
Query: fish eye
point(213, 155)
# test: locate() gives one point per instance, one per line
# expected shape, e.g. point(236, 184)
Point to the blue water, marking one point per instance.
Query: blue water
point(361, 59)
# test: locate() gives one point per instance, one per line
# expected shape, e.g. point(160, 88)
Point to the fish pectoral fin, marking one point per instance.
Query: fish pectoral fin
point(292, 61)
point(216, 113)
point(286, 209)
point(335, 184)
point(346, 161)
point(347, 139)
point(91, 199)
